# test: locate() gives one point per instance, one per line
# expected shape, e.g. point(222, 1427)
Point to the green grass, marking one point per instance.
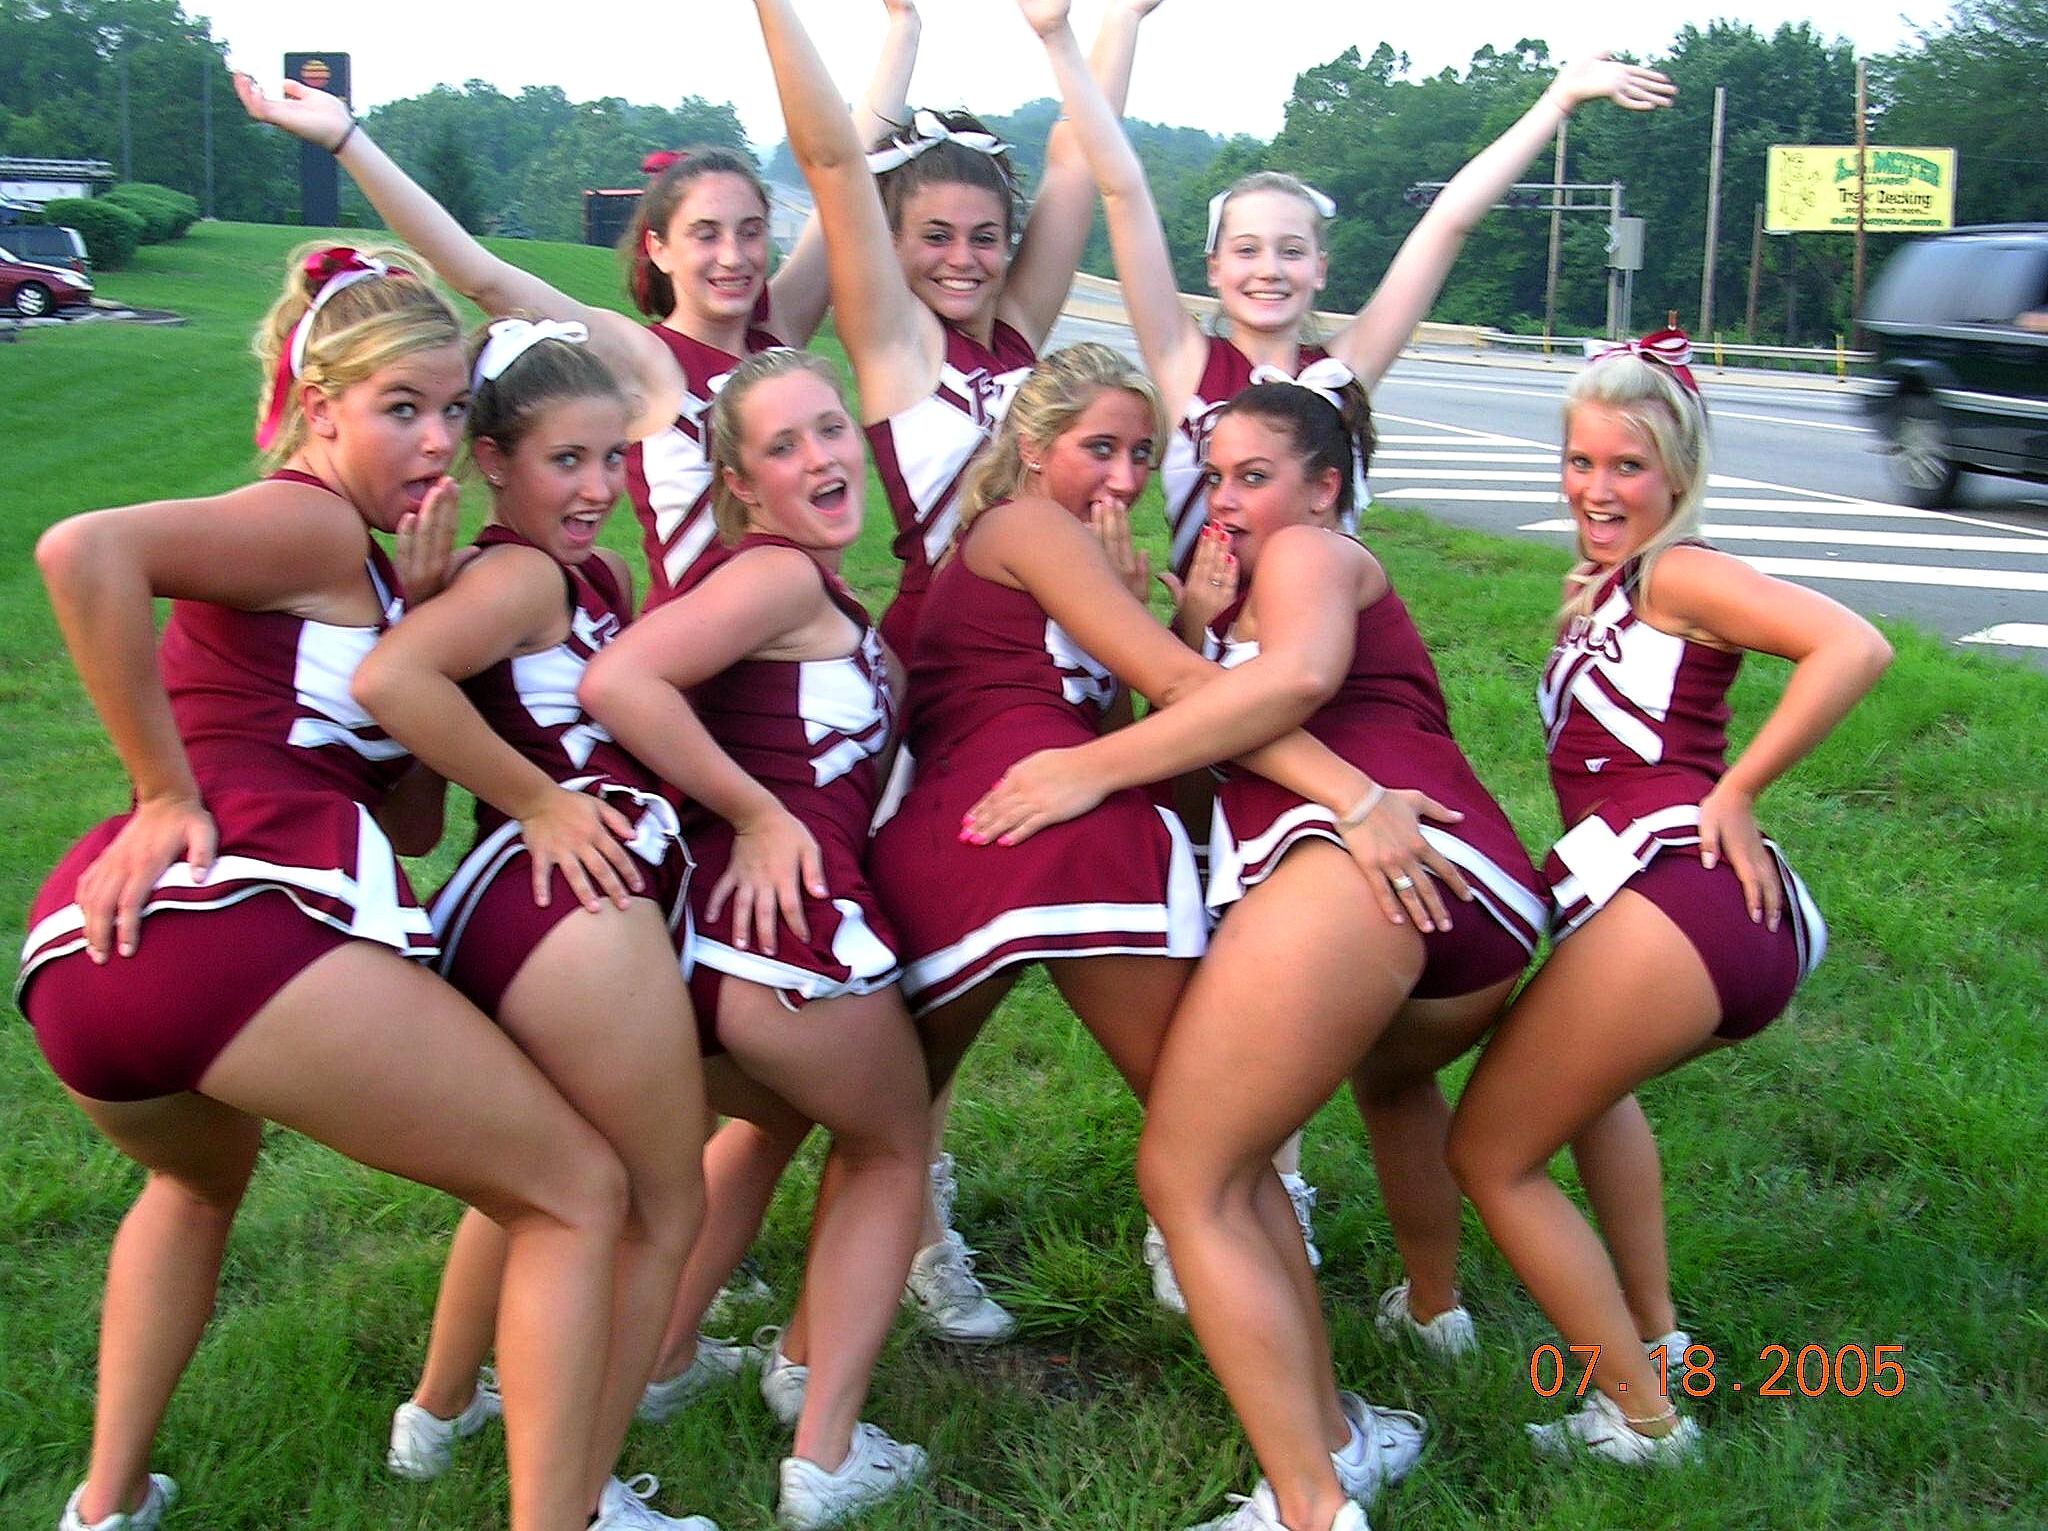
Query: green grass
point(1862, 1173)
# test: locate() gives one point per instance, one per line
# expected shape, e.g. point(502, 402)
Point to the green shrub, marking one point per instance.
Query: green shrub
point(166, 213)
point(111, 231)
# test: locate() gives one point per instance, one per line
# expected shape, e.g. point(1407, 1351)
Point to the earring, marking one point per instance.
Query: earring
point(496, 482)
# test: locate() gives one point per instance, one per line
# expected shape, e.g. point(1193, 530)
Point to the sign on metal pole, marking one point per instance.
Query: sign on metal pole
point(1811, 189)
point(1625, 244)
point(319, 175)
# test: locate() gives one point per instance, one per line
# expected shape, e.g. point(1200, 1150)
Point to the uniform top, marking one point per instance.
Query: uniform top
point(922, 454)
point(261, 698)
point(983, 649)
point(1632, 715)
point(668, 476)
point(808, 730)
point(1387, 717)
point(1184, 469)
point(529, 700)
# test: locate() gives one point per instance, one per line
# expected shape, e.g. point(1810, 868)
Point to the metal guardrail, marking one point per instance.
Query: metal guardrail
point(1713, 353)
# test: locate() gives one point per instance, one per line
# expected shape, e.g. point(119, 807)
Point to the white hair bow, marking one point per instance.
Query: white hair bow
point(511, 339)
point(1322, 204)
point(363, 268)
point(926, 131)
point(1326, 379)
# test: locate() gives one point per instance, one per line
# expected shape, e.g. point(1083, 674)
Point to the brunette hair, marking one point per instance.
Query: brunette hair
point(948, 164)
point(728, 511)
point(1059, 388)
point(673, 175)
point(1672, 420)
point(504, 408)
point(1324, 436)
point(363, 327)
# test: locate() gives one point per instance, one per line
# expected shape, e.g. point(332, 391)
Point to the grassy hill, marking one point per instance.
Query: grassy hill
point(1864, 1173)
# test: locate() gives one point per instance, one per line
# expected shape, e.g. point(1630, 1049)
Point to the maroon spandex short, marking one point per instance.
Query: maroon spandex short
point(1754, 969)
point(151, 1025)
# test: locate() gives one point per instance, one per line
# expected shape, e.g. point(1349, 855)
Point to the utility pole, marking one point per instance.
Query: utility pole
point(206, 72)
point(1862, 165)
point(1756, 262)
point(1556, 230)
point(1713, 215)
point(127, 138)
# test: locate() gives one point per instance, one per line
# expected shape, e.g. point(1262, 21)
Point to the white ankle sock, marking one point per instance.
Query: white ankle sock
point(1352, 1452)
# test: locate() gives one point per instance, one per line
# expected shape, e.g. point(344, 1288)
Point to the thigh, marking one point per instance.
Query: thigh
point(601, 1006)
point(1301, 979)
point(207, 1147)
point(380, 1060)
point(1621, 1000)
point(1126, 1003)
point(948, 1030)
point(1426, 1035)
point(852, 1064)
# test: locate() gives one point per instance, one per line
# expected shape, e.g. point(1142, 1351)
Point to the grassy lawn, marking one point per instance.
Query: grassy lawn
point(1864, 1173)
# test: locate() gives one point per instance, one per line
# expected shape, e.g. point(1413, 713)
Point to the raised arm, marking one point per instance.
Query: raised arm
point(1056, 231)
point(801, 289)
point(1836, 655)
point(641, 363)
point(892, 339)
point(1371, 341)
point(1168, 337)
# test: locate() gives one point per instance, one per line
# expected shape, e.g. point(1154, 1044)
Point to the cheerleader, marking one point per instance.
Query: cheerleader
point(1325, 966)
point(760, 691)
point(1681, 929)
point(1267, 259)
point(242, 945)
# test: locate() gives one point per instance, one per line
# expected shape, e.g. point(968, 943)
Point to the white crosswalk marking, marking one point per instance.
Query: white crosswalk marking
point(1422, 462)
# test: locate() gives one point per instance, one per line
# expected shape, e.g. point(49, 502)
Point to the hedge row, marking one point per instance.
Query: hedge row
point(131, 214)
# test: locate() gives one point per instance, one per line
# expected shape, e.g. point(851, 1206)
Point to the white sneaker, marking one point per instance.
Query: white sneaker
point(1393, 1443)
point(624, 1507)
point(876, 1468)
point(1447, 1336)
point(1303, 1195)
point(1674, 1345)
point(716, 1363)
point(1165, 1285)
point(1601, 1429)
point(944, 1291)
point(423, 1444)
point(945, 1190)
point(1260, 1513)
point(155, 1500)
point(782, 1380)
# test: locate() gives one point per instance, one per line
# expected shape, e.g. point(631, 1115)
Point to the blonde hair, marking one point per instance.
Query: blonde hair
point(1274, 180)
point(363, 327)
point(1059, 388)
point(1673, 421)
point(728, 511)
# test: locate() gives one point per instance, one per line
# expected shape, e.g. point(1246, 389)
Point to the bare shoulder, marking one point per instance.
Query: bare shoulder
point(1307, 559)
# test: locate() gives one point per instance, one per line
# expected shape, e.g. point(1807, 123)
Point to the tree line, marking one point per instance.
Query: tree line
point(1358, 127)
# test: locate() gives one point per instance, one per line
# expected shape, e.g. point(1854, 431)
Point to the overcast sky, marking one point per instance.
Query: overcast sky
point(976, 53)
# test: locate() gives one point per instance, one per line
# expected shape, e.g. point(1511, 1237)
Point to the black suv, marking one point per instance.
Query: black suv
point(1960, 325)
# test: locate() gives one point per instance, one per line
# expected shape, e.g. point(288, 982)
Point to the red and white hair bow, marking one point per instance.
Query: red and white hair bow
point(1670, 349)
point(1326, 379)
point(926, 132)
point(327, 272)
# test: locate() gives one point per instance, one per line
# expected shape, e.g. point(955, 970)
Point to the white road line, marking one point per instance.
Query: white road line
point(1412, 454)
point(1465, 475)
point(1552, 393)
point(2019, 635)
point(1903, 574)
point(1846, 536)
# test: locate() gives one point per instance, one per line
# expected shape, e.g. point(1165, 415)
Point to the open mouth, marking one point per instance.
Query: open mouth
point(831, 499)
point(1602, 529)
point(417, 490)
point(581, 529)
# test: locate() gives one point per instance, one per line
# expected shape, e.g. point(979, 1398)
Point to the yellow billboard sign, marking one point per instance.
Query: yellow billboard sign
point(1812, 189)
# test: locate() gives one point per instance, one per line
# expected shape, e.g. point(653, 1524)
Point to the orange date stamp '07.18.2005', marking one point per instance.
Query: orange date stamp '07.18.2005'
point(1810, 1371)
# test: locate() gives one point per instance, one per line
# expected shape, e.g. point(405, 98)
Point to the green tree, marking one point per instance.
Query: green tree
point(450, 179)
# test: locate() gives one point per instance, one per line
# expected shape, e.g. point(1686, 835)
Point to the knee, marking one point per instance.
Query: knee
point(1169, 1177)
point(583, 1186)
point(666, 1213)
point(211, 1198)
point(1475, 1163)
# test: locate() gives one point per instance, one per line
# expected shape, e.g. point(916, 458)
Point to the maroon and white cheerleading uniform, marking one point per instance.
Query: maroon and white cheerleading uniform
point(1635, 724)
point(810, 731)
point(1388, 718)
point(1184, 469)
point(485, 915)
point(668, 475)
point(996, 679)
point(923, 454)
point(290, 768)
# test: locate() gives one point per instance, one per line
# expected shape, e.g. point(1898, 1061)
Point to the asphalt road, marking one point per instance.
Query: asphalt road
point(1797, 486)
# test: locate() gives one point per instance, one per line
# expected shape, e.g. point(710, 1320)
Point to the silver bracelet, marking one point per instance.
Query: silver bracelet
point(1361, 810)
